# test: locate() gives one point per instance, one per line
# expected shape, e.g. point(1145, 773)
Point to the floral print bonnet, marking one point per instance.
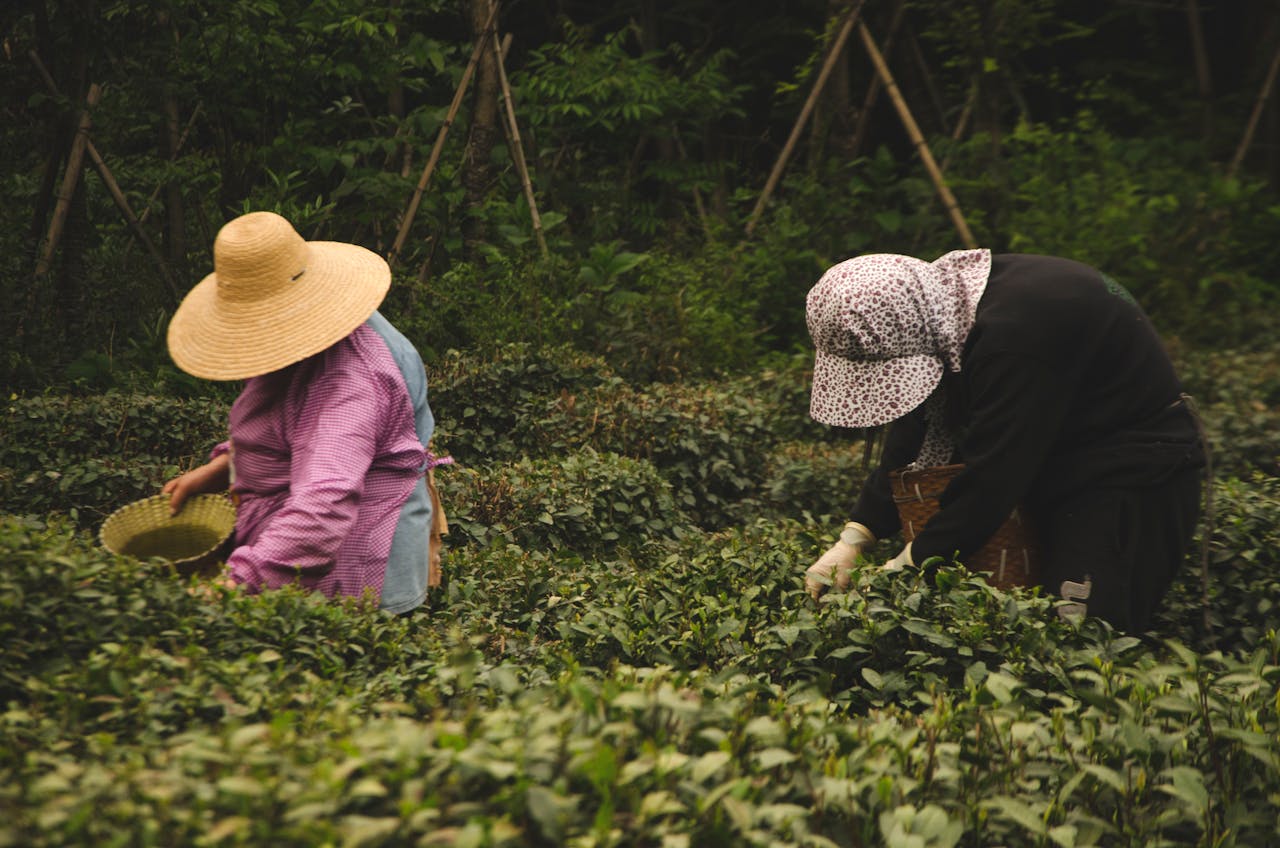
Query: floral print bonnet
point(884, 327)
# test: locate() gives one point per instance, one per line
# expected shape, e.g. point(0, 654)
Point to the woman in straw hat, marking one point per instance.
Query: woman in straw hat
point(327, 450)
point(1047, 381)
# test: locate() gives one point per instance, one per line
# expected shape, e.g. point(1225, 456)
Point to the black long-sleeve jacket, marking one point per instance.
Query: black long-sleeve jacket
point(1064, 385)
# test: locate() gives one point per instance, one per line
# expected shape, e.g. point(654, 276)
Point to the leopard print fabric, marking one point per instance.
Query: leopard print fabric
point(884, 327)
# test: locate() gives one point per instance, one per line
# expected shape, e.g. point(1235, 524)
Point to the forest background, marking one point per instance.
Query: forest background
point(1130, 135)
point(622, 651)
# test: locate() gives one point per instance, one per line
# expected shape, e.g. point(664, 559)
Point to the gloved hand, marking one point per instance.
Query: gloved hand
point(833, 567)
point(902, 559)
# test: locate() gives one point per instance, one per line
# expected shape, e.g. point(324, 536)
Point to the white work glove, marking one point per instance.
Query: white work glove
point(902, 559)
point(1076, 594)
point(833, 567)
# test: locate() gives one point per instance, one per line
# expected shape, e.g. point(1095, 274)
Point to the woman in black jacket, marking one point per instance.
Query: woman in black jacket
point(1048, 382)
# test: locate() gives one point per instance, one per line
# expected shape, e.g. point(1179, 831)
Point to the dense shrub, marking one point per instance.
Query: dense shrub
point(1238, 395)
point(89, 455)
point(491, 408)
point(1244, 559)
point(817, 480)
point(709, 440)
point(584, 502)
point(710, 443)
point(37, 430)
point(1150, 211)
point(622, 649)
point(942, 710)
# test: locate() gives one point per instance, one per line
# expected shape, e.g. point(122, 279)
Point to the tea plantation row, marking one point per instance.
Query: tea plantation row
point(622, 653)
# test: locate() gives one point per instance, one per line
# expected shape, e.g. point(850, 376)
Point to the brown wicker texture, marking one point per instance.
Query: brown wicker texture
point(1010, 556)
point(194, 541)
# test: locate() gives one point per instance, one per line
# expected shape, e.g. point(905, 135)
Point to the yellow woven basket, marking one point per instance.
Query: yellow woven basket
point(193, 541)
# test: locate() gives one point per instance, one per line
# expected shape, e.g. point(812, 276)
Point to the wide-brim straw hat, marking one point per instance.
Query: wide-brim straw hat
point(273, 299)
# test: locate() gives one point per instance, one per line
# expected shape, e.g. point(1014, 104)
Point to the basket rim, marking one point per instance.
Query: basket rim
point(926, 483)
point(217, 501)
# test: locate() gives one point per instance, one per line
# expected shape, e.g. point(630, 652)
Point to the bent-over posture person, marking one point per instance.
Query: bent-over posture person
point(327, 451)
point(1048, 382)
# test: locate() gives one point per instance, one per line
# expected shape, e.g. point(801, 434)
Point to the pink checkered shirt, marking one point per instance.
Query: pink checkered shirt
point(324, 455)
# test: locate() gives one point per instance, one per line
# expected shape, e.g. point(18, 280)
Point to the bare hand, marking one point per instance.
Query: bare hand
point(213, 476)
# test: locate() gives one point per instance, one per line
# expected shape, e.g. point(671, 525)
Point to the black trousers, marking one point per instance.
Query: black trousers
point(1128, 543)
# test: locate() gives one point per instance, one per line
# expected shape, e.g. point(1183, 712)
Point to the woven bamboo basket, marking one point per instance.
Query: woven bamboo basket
point(194, 541)
point(1010, 557)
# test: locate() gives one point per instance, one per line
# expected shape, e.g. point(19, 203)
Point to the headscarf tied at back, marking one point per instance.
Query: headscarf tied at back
point(884, 328)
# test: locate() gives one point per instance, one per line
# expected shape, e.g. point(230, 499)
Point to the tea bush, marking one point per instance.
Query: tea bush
point(489, 408)
point(38, 430)
point(818, 480)
point(709, 443)
point(89, 455)
point(1243, 562)
point(281, 719)
point(1238, 393)
point(709, 440)
point(622, 651)
point(585, 502)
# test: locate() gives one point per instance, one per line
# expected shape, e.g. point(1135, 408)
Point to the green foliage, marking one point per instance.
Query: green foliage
point(1147, 211)
point(493, 408)
point(622, 652)
point(1238, 394)
point(623, 674)
point(585, 502)
point(677, 320)
point(1244, 554)
point(709, 441)
point(593, 106)
point(89, 455)
point(695, 694)
point(806, 479)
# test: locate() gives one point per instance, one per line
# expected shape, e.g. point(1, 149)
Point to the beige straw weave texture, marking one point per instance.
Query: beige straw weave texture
point(194, 541)
point(273, 300)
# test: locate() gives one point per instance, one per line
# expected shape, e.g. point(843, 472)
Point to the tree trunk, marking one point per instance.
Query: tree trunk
point(175, 218)
point(1204, 82)
point(477, 168)
point(873, 85)
point(59, 140)
point(833, 113)
point(650, 38)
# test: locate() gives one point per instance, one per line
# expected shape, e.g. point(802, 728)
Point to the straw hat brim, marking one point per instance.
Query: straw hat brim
point(218, 338)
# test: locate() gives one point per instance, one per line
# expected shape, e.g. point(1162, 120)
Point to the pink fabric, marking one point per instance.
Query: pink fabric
point(884, 327)
point(324, 455)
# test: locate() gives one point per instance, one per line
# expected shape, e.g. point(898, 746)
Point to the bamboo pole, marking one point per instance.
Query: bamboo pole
point(517, 147)
point(779, 166)
point(904, 113)
point(406, 220)
point(113, 188)
point(70, 179)
point(1258, 105)
point(134, 224)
